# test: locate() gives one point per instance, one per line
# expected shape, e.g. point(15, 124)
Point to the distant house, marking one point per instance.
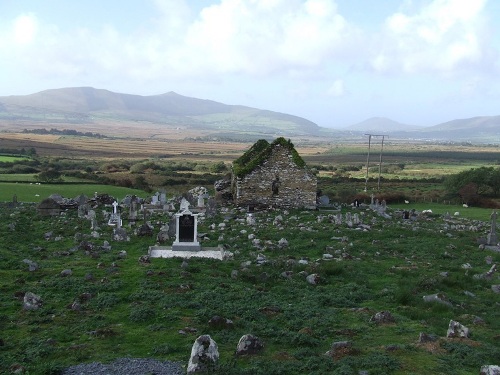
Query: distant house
point(273, 174)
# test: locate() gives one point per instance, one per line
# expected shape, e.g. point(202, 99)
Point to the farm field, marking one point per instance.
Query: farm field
point(27, 192)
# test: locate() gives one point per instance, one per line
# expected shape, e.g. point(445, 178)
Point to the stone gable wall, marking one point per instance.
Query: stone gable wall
point(297, 186)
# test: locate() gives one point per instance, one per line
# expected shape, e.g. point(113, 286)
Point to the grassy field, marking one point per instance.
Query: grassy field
point(32, 192)
point(11, 159)
point(472, 213)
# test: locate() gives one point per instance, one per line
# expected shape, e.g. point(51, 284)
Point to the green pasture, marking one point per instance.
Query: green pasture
point(11, 159)
point(31, 192)
point(473, 213)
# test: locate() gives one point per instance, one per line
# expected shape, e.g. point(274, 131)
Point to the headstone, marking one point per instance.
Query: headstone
point(82, 210)
point(132, 216)
point(115, 219)
point(155, 199)
point(163, 197)
point(324, 200)
point(201, 200)
point(120, 234)
point(186, 233)
point(92, 217)
point(184, 206)
point(355, 219)
point(211, 209)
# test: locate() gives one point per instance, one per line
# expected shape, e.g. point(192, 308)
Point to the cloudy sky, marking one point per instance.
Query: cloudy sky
point(334, 62)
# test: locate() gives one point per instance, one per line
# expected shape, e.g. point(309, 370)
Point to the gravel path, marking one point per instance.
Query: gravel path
point(127, 366)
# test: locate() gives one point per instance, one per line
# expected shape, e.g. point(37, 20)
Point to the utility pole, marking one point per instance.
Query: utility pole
point(368, 158)
point(380, 163)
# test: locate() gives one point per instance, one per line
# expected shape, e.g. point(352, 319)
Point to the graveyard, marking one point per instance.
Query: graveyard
point(308, 275)
point(341, 289)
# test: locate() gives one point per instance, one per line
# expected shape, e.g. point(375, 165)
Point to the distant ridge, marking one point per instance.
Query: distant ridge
point(381, 125)
point(83, 104)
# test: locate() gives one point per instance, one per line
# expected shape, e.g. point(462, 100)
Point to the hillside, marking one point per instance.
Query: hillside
point(484, 129)
point(380, 125)
point(83, 105)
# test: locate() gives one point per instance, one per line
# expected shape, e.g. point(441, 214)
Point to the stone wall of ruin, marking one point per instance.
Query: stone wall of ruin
point(297, 186)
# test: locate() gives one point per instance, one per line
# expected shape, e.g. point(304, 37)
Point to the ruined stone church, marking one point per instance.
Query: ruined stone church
point(273, 174)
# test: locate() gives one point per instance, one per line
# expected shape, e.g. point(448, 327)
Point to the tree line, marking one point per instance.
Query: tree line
point(63, 132)
point(475, 186)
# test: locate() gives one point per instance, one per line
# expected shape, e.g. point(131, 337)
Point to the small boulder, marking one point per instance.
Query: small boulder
point(32, 266)
point(426, 337)
point(313, 279)
point(204, 355)
point(340, 349)
point(66, 273)
point(144, 259)
point(438, 298)
point(490, 370)
point(455, 329)
point(383, 317)
point(249, 344)
point(31, 301)
point(220, 322)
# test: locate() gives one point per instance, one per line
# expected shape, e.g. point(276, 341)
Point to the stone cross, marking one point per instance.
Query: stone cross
point(115, 204)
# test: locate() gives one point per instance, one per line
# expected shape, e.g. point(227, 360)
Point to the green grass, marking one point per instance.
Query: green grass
point(137, 310)
point(32, 192)
point(472, 213)
point(11, 159)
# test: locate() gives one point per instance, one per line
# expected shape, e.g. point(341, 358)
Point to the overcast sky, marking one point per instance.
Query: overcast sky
point(334, 62)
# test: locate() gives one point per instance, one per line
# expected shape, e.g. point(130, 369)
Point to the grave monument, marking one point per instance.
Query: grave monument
point(186, 232)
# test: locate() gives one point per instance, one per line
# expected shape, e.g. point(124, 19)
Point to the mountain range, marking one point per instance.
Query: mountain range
point(87, 104)
point(81, 105)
